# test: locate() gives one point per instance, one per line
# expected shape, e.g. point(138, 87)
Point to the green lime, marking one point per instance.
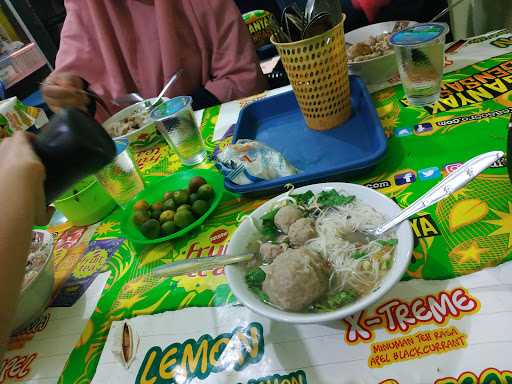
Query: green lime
point(155, 213)
point(167, 216)
point(168, 228)
point(205, 192)
point(200, 207)
point(158, 205)
point(180, 197)
point(194, 183)
point(141, 205)
point(139, 217)
point(183, 218)
point(184, 206)
point(167, 196)
point(151, 229)
point(193, 197)
point(169, 204)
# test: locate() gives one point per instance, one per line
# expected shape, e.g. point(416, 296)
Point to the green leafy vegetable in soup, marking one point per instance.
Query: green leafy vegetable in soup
point(309, 265)
point(390, 242)
point(255, 277)
point(331, 198)
point(335, 301)
point(303, 199)
point(268, 228)
point(359, 254)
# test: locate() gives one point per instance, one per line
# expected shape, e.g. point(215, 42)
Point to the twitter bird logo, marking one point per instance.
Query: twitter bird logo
point(429, 173)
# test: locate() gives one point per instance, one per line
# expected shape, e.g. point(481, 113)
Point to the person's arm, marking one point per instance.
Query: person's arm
point(202, 98)
point(62, 90)
point(23, 206)
point(64, 87)
point(235, 70)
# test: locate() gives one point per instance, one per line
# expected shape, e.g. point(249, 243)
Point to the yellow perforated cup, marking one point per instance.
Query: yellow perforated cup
point(317, 68)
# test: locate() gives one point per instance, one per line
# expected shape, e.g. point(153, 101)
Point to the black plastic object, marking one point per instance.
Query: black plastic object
point(72, 146)
point(278, 77)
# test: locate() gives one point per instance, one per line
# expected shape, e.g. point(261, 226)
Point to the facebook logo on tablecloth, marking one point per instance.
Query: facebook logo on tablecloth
point(424, 127)
point(429, 173)
point(404, 131)
point(405, 178)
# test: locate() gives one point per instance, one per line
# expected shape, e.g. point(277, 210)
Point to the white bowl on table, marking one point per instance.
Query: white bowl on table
point(37, 291)
point(378, 69)
point(246, 233)
point(142, 138)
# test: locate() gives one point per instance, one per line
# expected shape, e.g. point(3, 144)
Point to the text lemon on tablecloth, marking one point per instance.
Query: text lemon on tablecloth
point(181, 362)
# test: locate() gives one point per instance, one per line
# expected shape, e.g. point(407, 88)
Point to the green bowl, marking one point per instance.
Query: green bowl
point(85, 203)
point(155, 192)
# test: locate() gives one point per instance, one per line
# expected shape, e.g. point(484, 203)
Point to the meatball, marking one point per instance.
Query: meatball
point(296, 278)
point(269, 251)
point(286, 216)
point(301, 231)
point(282, 239)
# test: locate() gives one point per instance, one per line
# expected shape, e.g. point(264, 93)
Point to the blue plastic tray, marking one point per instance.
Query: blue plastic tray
point(337, 154)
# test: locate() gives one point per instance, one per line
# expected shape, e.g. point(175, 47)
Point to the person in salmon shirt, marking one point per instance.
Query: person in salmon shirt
point(117, 47)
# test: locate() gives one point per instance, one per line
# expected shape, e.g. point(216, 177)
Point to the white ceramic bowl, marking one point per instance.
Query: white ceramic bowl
point(35, 296)
point(378, 69)
point(246, 232)
point(142, 138)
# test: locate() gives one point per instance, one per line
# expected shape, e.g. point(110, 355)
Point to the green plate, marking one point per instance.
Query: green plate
point(156, 191)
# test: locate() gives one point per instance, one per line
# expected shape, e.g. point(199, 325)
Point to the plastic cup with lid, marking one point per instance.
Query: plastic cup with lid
point(419, 51)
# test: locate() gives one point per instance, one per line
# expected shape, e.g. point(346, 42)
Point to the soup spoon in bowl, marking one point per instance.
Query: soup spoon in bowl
point(451, 183)
point(202, 264)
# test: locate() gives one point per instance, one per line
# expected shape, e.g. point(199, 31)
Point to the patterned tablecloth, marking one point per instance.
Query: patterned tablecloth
point(467, 232)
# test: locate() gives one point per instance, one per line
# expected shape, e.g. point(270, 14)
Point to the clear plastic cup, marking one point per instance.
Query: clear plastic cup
point(175, 121)
point(419, 51)
point(121, 178)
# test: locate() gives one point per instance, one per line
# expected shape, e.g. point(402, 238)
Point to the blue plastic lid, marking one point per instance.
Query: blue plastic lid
point(419, 34)
point(121, 145)
point(171, 107)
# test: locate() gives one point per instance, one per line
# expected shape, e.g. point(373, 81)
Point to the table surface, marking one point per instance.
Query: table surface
point(469, 231)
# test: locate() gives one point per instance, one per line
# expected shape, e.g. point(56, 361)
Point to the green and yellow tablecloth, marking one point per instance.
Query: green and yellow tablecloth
point(467, 232)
